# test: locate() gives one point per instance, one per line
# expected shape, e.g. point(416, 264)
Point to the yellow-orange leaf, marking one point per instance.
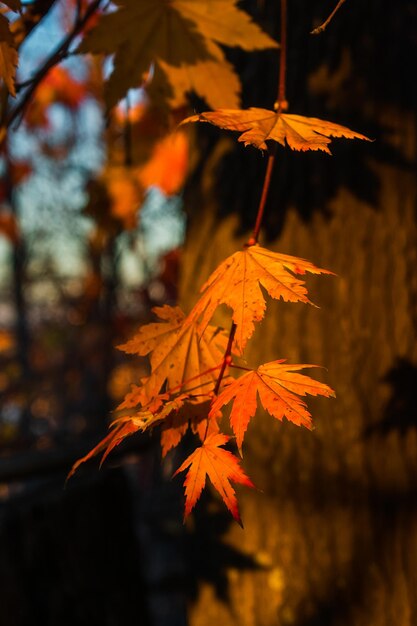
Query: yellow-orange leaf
point(129, 424)
point(167, 166)
point(260, 125)
point(221, 466)
point(237, 283)
point(182, 34)
point(279, 387)
point(194, 415)
point(179, 356)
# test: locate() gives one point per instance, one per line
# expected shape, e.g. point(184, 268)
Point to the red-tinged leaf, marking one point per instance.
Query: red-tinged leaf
point(221, 466)
point(260, 125)
point(189, 414)
point(237, 283)
point(128, 425)
point(115, 436)
point(179, 355)
point(167, 166)
point(278, 386)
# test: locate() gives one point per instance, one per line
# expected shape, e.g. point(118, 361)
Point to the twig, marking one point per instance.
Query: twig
point(56, 57)
point(323, 26)
point(280, 105)
point(127, 135)
point(226, 358)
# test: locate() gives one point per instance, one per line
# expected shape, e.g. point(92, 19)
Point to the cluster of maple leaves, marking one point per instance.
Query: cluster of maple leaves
point(196, 369)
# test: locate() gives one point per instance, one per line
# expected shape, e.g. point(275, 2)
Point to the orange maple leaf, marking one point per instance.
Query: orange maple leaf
point(146, 418)
point(220, 466)
point(236, 283)
point(178, 354)
point(167, 166)
point(191, 415)
point(277, 386)
point(260, 125)
point(125, 194)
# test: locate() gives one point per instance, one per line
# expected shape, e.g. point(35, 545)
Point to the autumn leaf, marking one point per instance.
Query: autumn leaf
point(221, 466)
point(57, 86)
point(216, 81)
point(9, 227)
point(8, 55)
point(180, 34)
point(237, 283)
point(260, 125)
point(129, 424)
point(195, 416)
point(179, 356)
point(167, 166)
point(278, 386)
point(125, 194)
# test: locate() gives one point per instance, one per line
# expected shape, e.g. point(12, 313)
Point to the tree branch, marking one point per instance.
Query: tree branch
point(323, 26)
point(56, 57)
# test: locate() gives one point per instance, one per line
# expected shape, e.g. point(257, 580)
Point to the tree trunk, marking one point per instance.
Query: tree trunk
point(330, 538)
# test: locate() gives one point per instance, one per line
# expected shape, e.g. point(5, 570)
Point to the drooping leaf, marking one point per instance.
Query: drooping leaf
point(8, 55)
point(167, 166)
point(260, 125)
point(195, 416)
point(221, 466)
point(279, 388)
point(237, 283)
point(129, 424)
point(179, 355)
point(216, 80)
point(181, 34)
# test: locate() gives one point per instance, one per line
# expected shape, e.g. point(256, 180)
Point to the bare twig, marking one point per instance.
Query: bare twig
point(56, 57)
point(279, 106)
point(323, 26)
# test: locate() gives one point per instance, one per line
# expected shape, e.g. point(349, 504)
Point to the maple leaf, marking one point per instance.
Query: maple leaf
point(181, 34)
point(236, 282)
point(125, 194)
point(129, 424)
point(167, 166)
point(216, 81)
point(260, 125)
point(191, 415)
point(277, 386)
point(8, 55)
point(178, 353)
point(221, 466)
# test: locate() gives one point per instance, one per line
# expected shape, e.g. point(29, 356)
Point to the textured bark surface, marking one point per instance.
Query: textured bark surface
point(332, 537)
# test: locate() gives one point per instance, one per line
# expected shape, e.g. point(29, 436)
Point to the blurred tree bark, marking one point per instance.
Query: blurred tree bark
point(334, 531)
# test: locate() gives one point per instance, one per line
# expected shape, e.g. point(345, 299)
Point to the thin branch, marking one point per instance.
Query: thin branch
point(323, 26)
point(127, 135)
point(280, 105)
point(226, 358)
point(56, 57)
point(264, 196)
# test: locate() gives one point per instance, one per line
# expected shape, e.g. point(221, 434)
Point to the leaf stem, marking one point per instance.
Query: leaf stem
point(226, 358)
point(323, 26)
point(264, 196)
point(280, 105)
